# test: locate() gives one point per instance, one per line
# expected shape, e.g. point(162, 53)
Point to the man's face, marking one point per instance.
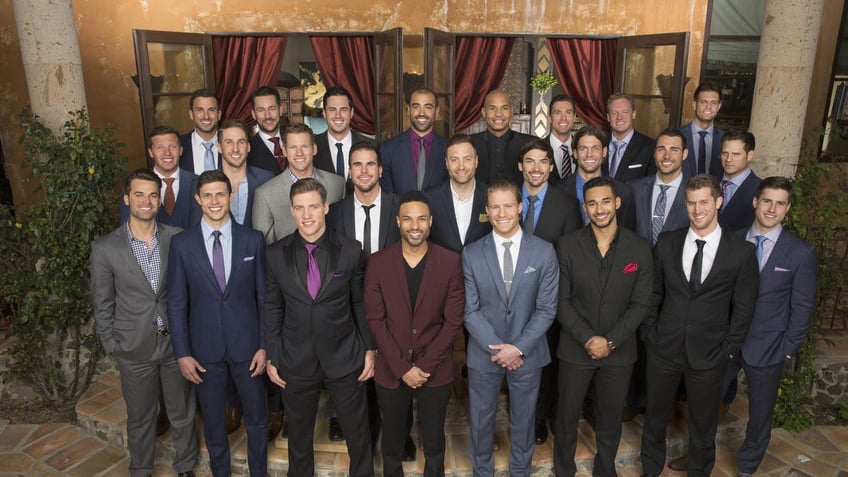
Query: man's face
point(461, 162)
point(734, 159)
point(234, 146)
point(338, 113)
point(504, 210)
point(165, 151)
point(703, 210)
point(414, 221)
point(707, 105)
point(536, 168)
point(266, 112)
point(309, 212)
point(422, 112)
point(600, 204)
point(620, 116)
point(204, 113)
point(770, 208)
point(214, 200)
point(562, 119)
point(143, 200)
point(300, 150)
point(497, 111)
point(364, 171)
point(669, 155)
point(590, 154)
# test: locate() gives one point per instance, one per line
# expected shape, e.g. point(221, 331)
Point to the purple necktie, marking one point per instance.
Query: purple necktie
point(218, 261)
point(313, 275)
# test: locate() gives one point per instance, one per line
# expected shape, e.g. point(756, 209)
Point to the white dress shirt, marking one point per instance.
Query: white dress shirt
point(513, 249)
point(462, 209)
point(198, 152)
point(690, 248)
point(347, 142)
point(670, 194)
point(359, 221)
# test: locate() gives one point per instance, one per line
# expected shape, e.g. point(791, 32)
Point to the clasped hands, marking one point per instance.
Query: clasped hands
point(507, 356)
point(597, 347)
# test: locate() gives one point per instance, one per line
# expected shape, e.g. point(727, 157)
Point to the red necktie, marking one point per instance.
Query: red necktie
point(170, 199)
point(278, 153)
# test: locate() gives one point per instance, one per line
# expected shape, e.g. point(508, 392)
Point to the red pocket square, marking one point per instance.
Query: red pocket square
point(631, 267)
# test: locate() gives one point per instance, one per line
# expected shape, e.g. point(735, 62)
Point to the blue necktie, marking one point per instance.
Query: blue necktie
point(208, 157)
point(761, 240)
point(658, 219)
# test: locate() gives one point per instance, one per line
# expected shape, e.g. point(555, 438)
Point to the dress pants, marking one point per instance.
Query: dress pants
point(432, 408)
point(141, 383)
point(763, 383)
point(483, 391)
point(611, 385)
point(548, 388)
point(704, 387)
point(212, 393)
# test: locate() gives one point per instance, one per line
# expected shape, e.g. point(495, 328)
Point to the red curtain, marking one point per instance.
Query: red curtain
point(585, 68)
point(348, 61)
point(242, 64)
point(480, 66)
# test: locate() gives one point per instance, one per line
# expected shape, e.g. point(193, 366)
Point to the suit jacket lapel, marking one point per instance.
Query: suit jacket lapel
point(333, 252)
point(385, 219)
point(164, 245)
point(125, 251)
point(647, 192)
point(349, 220)
point(447, 195)
point(587, 245)
point(202, 258)
point(238, 253)
point(491, 259)
point(478, 205)
point(679, 240)
point(289, 251)
point(521, 265)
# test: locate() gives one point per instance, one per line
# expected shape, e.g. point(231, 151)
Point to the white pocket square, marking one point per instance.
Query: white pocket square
point(634, 166)
point(780, 269)
point(247, 259)
point(529, 270)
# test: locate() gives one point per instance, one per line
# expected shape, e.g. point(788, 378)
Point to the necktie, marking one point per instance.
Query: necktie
point(508, 270)
point(170, 198)
point(340, 160)
point(208, 157)
point(697, 264)
point(725, 185)
point(278, 153)
point(565, 168)
point(530, 218)
point(702, 153)
point(366, 232)
point(616, 161)
point(761, 241)
point(313, 275)
point(422, 162)
point(218, 261)
point(658, 219)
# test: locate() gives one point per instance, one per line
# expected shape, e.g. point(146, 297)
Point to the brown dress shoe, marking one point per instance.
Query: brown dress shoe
point(275, 424)
point(233, 418)
point(162, 423)
point(679, 464)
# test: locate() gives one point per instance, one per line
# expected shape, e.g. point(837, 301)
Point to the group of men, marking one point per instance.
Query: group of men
point(592, 272)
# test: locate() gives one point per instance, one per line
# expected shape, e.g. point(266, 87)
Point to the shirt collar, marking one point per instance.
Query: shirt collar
point(540, 195)
point(675, 183)
point(712, 238)
point(626, 138)
point(131, 237)
point(207, 229)
point(738, 180)
point(198, 141)
point(772, 234)
point(515, 239)
point(376, 202)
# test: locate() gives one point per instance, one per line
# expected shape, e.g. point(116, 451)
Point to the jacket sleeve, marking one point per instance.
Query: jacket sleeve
point(103, 296)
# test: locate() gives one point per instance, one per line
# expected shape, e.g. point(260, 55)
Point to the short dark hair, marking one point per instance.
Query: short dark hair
point(776, 182)
point(298, 128)
point(160, 131)
point(414, 195)
point(337, 91)
point(600, 181)
point(536, 144)
point(707, 86)
point(589, 130)
point(505, 185)
point(365, 146)
point(617, 96)
point(264, 91)
point(673, 132)
point(459, 138)
point(703, 180)
point(308, 185)
point(232, 123)
point(560, 98)
point(422, 91)
point(739, 134)
point(143, 174)
point(201, 93)
point(211, 176)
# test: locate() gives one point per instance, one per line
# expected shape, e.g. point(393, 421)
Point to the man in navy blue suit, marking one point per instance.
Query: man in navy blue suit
point(200, 145)
point(702, 135)
point(739, 183)
point(216, 287)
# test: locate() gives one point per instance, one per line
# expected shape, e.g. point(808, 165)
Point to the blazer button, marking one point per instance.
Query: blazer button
point(414, 331)
point(410, 350)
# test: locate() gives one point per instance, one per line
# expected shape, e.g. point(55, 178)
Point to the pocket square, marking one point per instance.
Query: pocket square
point(780, 269)
point(634, 166)
point(631, 267)
point(529, 269)
point(338, 274)
point(247, 259)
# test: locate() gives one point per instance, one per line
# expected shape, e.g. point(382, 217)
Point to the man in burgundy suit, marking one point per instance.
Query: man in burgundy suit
point(414, 303)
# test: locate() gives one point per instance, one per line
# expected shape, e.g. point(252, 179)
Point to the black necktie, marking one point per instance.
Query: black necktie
point(366, 232)
point(697, 264)
point(702, 153)
point(340, 159)
point(530, 218)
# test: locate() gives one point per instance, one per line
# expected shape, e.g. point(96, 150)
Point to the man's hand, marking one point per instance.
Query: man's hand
point(257, 364)
point(415, 377)
point(274, 376)
point(189, 367)
point(508, 356)
point(597, 347)
point(368, 367)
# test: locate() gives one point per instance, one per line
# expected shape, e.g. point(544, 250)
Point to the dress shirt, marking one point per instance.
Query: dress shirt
point(226, 243)
point(579, 182)
point(150, 261)
point(735, 183)
point(768, 245)
point(513, 249)
point(239, 204)
point(414, 145)
point(347, 143)
point(359, 221)
point(175, 185)
point(525, 201)
point(463, 209)
point(558, 155)
point(708, 139)
point(603, 263)
point(626, 139)
point(266, 140)
point(690, 248)
point(198, 151)
point(670, 194)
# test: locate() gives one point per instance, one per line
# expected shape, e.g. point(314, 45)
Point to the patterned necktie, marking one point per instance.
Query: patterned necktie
point(508, 270)
point(218, 261)
point(616, 158)
point(208, 157)
point(702, 153)
point(278, 153)
point(565, 169)
point(313, 275)
point(725, 185)
point(761, 241)
point(170, 197)
point(697, 264)
point(422, 162)
point(366, 232)
point(340, 160)
point(658, 219)
point(530, 218)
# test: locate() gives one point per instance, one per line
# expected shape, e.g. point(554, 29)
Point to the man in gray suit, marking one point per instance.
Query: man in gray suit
point(271, 205)
point(130, 307)
point(511, 283)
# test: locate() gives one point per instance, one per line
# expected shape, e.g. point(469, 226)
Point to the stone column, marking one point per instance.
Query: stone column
point(51, 56)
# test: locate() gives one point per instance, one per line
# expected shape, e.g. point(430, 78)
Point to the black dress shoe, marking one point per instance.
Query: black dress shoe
point(679, 464)
point(186, 474)
point(275, 424)
point(541, 432)
point(409, 450)
point(335, 432)
point(234, 419)
point(162, 423)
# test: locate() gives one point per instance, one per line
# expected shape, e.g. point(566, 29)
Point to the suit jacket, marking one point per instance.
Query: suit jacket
point(125, 306)
point(626, 214)
point(186, 209)
point(738, 214)
point(613, 309)
point(260, 156)
point(324, 159)
point(638, 160)
point(560, 215)
point(187, 157)
point(255, 178)
point(711, 323)
point(209, 324)
point(342, 219)
point(330, 331)
point(785, 304)
point(421, 335)
point(445, 231)
point(399, 173)
point(272, 206)
point(487, 172)
point(523, 318)
point(690, 166)
point(643, 190)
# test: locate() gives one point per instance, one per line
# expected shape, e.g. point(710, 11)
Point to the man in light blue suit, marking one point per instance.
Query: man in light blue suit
point(511, 283)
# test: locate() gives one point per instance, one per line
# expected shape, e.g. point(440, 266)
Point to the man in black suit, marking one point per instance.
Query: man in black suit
point(561, 113)
point(316, 330)
point(334, 144)
point(739, 183)
point(631, 153)
point(459, 204)
point(702, 135)
point(604, 294)
point(498, 147)
point(200, 146)
point(705, 289)
point(267, 150)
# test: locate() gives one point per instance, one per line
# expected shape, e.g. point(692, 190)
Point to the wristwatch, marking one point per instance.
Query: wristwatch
point(610, 346)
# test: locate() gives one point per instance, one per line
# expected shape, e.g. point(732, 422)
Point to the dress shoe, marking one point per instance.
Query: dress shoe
point(630, 412)
point(275, 424)
point(234, 419)
point(679, 464)
point(541, 432)
point(186, 474)
point(409, 449)
point(162, 423)
point(335, 433)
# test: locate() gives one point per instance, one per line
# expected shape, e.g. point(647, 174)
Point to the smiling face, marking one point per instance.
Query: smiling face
point(702, 208)
point(504, 211)
point(300, 150)
point(770, 209)
point(234, 146)
point(620, 115)
point(422, 112)
point(562, 119)
point(414, 221)
point(143, 200)
point(461, 162)
point(266, 112)
point(338, 114)
point(669, 156)
point(364, 171)
point(600, 204)
point(214, 200)
point(497, 111)
point(536, 168)
point(590, 154)
point(309, 212)
point(204, 113)
point(707, 105)
point(165, 150)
